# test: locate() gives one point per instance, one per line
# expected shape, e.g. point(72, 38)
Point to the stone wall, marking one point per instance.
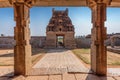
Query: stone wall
point(83, 42)
point(116, 43)
point(9, 42)
point(39, 42)
point(69, 40)
point(115, 50)
point(50, 40)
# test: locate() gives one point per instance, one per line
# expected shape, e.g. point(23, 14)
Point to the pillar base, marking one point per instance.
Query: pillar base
point(22, 59)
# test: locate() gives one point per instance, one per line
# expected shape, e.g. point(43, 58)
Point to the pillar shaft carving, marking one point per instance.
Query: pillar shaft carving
point(22, 48)
point(98, 48)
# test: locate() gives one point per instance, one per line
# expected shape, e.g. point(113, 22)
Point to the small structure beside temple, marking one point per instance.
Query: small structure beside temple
point(60, 31)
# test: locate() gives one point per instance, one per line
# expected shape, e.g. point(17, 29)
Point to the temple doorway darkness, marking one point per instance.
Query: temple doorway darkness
point(60, 41)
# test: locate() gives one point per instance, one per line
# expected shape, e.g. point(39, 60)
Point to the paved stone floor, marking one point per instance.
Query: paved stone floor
point(59, 65)
point(65, 76)
point(59, 62)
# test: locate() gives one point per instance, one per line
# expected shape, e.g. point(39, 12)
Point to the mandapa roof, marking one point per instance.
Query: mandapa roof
point(5, 3)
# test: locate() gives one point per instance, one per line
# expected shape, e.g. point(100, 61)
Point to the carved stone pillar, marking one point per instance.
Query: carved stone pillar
point(22, 49)
point(98, 48)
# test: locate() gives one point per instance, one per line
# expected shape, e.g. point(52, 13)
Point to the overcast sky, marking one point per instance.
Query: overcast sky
point(39, 18)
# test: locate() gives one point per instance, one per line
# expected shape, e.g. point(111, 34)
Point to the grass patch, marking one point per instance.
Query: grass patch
point(37, 54)
point(4, 64)
point(113, 58)
point(38, 51)
point(84, 54)
point(116, 63)
point(7, 58)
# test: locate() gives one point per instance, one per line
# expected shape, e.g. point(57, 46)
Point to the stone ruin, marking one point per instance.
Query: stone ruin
point(8, 42)
point(60, 31)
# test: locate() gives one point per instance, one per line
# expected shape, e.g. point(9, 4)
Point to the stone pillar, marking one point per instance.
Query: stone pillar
point(22, 49)
point(98, 48)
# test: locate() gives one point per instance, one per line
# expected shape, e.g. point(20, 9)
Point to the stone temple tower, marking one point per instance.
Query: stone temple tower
point(60, 31)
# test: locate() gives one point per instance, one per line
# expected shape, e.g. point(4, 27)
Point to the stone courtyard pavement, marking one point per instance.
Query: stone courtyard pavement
point(59, 61)
point(59, 64)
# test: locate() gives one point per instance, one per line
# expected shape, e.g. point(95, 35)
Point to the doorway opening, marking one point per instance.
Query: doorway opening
point(60, 41)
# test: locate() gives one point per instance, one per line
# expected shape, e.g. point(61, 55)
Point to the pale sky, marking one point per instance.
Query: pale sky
point(39, 18)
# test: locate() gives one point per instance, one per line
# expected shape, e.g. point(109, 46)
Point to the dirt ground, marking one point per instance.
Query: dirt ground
point(7, 56)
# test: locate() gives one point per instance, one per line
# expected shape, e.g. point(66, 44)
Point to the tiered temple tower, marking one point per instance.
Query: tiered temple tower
point(60, 31)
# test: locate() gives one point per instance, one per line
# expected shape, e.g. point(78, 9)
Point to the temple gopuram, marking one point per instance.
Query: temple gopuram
point(60, 31)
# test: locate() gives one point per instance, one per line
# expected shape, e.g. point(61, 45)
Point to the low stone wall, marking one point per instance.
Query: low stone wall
point(38, 41)
point(83, 42)
point(116, 43)
point(9, 42)
point(115, 50)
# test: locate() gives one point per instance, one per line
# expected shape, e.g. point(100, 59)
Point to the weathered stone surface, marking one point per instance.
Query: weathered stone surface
point(98, 48)
point(58, 61)
point(22, 36)
point(9, 42)
point(60, 25)
point(113, 39)
point(22, 48)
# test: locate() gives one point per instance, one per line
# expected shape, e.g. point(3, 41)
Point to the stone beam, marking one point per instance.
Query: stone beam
point(77, 3)
point(98, 48)
point(22, 49)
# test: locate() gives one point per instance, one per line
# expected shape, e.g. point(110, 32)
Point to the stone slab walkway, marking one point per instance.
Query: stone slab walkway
point(58, 61)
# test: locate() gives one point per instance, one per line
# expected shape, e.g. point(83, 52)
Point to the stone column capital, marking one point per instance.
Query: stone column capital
point(93, 3)
point(98, 11)
point(29, 3)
